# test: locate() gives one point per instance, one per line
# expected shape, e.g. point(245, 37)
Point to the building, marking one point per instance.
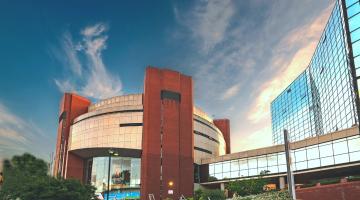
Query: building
point(320, 110)
point(158, 143)
point(153, 141)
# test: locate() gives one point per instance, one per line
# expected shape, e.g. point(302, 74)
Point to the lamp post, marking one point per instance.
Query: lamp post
point(108, 185)
point(290, 175)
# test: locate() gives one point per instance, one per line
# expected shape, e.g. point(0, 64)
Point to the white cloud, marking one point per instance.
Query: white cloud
point(94, 80)
point(18, 135)
point(208, 21)
point(230, 92)
point(304, 39)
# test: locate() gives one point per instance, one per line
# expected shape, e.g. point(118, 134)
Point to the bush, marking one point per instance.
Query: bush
point(247, 187)
point(212, 178)
point(213, 195)
point(329, 181)
point(353, 178)
point(197, 194)
point(273, 195)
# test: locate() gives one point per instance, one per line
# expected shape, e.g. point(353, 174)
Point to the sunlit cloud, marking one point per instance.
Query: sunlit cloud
point(91, 77)
point(305, 39)
point(230, 92)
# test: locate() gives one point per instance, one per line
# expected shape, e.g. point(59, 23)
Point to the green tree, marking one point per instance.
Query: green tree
point(248, 187)
point(25, 177)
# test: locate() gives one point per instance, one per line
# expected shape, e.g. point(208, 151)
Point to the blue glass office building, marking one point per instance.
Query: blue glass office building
point(324, 98)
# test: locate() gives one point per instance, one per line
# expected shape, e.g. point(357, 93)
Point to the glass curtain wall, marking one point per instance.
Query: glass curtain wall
point(322, 98)
point(339, 151)
point(124, 176)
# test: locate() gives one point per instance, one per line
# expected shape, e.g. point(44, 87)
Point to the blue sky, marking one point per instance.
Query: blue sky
point(241, 55)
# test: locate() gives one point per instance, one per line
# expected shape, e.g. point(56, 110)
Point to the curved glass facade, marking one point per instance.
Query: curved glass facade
point(124, 175)
point(340, 151)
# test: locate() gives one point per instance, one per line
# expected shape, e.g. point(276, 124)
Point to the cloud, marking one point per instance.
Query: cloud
point(18, 135)
point(208, 22)
point(91, 77)
point(304, 39)
point(258, 139)
point(230, 92)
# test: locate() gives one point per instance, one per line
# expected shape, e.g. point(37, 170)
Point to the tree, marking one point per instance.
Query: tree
point(25, 177)
point(248, 187)
point(212, 194)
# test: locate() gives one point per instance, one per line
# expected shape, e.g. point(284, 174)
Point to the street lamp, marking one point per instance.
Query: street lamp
point(108, 185)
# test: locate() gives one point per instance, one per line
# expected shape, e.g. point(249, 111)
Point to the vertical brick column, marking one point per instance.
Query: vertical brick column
point(224, 126)
point(71, 106)
point(168, 111)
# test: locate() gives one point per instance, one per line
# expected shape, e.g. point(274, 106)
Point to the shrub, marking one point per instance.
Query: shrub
point(213, 195)
point(273, 195)
point(212, 178)
point(247, 187)
point(197, 194)
point(354, 178)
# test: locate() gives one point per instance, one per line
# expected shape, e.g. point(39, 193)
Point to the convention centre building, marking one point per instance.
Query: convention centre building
point(158, 144)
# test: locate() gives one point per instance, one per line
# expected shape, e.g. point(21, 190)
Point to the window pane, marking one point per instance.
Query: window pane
point(344, 158)
point(273, 169)
point(282, 158)
point(313, 153)
point(272, 160)
point(243, 164)
point(301, 165)
point(327, 161)
point(282, 168)
point(340, 147)
point(226, 166)
point(355, 156)
point(235, 174)
point(262, 162)
point(226, 175)
point(253, 172)
point(252, 163)
point(211, 169)
point(300, 155)
point(235, 165)
point(244, 173)
point(314, 163)
point(326, 150)
point(218, 168)
point(354, 145)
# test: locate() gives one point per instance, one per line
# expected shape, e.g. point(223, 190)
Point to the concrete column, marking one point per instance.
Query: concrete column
point(282, 182)
point(222, 186)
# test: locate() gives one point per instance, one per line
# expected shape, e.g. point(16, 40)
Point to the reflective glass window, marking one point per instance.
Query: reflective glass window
point(301, 165)
point(273, 169)
point(282, 168)
point(314, 163)
point(344, 158)
point(272, 160)
point(226, 175)
point(326, 150)
point(226, 166)
point(235, 165)
point(312, 153)
point(218, 168)
point(243, 164)
point(340, 147)
point(252, 163)
point(354, 156)
point(300, 155)
point(327, 161)
point(354, 145)
point(281, 158)
point(253, 172)
point(244, 173)
point(234, 174)
point(262, 161)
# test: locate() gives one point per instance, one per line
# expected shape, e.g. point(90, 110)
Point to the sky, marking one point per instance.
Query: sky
point(241, 55)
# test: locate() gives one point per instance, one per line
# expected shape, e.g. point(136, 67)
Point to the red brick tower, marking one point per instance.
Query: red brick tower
point(168, 139)
point(71, 106)
point(224, 126)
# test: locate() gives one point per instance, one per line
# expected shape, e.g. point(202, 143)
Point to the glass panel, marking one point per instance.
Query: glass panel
point(355, 156)
point(340, 147)
point(354, 145)
point(326, 150)
point(211, 169)
point(354, 22)
point(218, 168)
point(253, 172)
point(243, 164)
point(314, 163)
point(252, 163)
point(300, 155)
point(327, 161)
point(313, 153)
point(344, 158)
point(234, 174)
point(244, 173)
point(235, 165)
point(282, 168)
point(353, 10)
point(272, 160)
point(282, 158)
point(273, 169)
point(262, 162)
point(226, 166)
point(226, 175)
point(301, 165)
point(219, 176)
